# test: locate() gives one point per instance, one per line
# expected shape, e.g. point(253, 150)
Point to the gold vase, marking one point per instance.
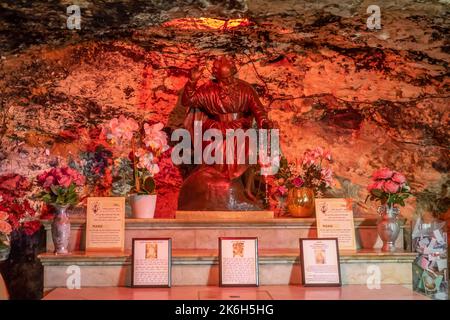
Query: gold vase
point(300, 202)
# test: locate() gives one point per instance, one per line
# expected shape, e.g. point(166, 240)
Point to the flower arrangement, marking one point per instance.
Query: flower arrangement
point(60, 186)
point(311, 172)
point(5, 230)
point(16, 212)
point(146, 146)
point(389, 187)
point(96, 167)
point(20, 216)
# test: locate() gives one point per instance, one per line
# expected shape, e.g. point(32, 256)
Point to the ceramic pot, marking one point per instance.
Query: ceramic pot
point(143, 205)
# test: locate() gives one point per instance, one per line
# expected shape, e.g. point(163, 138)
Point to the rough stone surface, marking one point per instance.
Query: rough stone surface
point(374, 97)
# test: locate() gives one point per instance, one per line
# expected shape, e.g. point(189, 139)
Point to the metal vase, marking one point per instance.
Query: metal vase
point(61, 230)
point(300, 202)
point(388, 227)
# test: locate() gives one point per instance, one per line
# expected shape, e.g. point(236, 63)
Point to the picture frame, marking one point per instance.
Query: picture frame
point(316, 254)
point(234, 271)
point(147, 254)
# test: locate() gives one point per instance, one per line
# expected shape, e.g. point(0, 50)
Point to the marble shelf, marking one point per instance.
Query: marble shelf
point(200, 267)
point(278, 233)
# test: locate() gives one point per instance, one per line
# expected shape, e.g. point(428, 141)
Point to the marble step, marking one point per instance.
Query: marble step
point(275, 233)
point(346, 292)
point(200, 267)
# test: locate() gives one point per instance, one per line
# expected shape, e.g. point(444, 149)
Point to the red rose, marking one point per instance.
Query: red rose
point(391, 187)
point(383, 173)
point(399, 178)
point(376, 185)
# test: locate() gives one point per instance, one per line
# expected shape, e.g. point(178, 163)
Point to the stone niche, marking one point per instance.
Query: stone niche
point(375, 98)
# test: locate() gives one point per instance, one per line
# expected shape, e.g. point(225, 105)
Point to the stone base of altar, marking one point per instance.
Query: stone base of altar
point(278, 233)
point(346, 292)
point(200, 267)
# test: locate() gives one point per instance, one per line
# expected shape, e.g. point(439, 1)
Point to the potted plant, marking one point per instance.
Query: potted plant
point(390, 189)
point(304, 180)
point(147, 146)
point(60, 191)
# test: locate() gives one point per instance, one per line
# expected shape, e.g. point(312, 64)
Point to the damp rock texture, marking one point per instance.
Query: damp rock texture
point(374, 97)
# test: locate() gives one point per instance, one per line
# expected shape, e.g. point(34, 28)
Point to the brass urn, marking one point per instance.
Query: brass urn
point(300, 202)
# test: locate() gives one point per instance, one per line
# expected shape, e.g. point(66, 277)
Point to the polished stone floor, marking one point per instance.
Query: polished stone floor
point(347, 292)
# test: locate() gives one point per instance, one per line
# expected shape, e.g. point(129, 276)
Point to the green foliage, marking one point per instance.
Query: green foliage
point(390, 198)
point(146, 182)
point(60, 195)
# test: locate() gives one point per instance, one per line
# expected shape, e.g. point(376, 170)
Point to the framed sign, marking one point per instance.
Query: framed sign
point(238, 262)
point(105, 224)
point(319, 259)
point(151, 262)
point(334, 218)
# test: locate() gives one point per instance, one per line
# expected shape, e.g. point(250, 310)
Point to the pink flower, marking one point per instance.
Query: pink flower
point(391, 186)
point(383, 173)
point(327, 176)
point(64, 181)
point(297, 182)
point(282, 190)
point(155, 138)
point(5, 227)
point(399, 178)
point(49, 181)
point(3, 215)
point(376, 185)
point(120, 129)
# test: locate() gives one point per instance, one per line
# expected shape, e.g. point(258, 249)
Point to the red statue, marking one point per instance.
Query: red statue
point(223, 103)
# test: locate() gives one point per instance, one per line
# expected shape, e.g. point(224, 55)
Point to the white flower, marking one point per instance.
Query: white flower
point(121, 129)
point(146, 161)
point(155, 138)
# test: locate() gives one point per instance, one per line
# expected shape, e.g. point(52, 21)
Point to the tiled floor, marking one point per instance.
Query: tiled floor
point(348, 292)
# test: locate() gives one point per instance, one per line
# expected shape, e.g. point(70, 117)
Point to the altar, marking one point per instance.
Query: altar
point(195, 252)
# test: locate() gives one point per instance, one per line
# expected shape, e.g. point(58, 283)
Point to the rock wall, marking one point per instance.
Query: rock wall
point(375, 98)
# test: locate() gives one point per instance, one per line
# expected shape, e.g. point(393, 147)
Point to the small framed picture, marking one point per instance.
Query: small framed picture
point(151, 262)
point(319, 259)
point(238, 262)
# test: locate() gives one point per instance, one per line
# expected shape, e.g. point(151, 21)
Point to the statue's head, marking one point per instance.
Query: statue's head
point(224, 68)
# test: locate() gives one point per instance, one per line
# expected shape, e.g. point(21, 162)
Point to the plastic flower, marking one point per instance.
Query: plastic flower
point(5, 227)
point(297, 182)
point(120, 129)
point(376, 185)
point(146, 161)
point(155, 138)
point(3, 215)
point(282, 190)
point(383, 173)
point(391, 187)
point(399, 178)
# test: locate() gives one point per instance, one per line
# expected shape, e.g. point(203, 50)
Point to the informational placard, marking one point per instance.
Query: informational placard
point(151, 262)
point(105, 224)
point(238, 258)
point(335, 220)
point(319, 260)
